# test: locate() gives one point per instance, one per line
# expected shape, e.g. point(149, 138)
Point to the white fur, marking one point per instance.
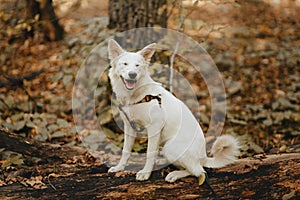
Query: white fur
point(170, 124)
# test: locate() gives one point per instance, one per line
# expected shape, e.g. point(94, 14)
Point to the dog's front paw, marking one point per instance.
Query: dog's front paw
point(116, 169)
point(143, 175)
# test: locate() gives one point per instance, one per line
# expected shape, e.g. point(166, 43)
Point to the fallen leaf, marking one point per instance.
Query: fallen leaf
point(201, 179)
point(289, 195)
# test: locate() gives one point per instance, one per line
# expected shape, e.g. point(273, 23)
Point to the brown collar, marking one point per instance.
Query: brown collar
point(149, 98)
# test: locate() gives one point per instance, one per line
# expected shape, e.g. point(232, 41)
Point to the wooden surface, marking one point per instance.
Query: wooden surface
point(80, 176)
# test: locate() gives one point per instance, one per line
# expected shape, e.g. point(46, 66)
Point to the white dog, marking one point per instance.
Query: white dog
point(168, 120)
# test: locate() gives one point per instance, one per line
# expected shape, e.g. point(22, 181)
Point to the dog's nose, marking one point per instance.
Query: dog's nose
point(132, 75)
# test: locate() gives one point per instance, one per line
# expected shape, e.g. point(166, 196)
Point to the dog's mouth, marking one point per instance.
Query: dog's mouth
point(129, 83)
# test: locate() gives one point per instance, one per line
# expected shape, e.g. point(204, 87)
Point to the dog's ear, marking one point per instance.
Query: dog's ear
point(114, 49)
point(148, 51)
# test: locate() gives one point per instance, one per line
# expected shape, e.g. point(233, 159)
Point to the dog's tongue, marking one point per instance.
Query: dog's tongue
point(130, 84)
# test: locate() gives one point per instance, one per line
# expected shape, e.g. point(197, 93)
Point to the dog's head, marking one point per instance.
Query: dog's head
point(129, 66)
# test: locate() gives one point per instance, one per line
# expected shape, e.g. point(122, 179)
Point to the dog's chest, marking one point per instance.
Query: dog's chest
point(142, 114)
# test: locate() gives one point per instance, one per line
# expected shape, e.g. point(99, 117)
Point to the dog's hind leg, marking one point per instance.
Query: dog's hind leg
point(173, 176)
point(190, 169)
point(183, 158)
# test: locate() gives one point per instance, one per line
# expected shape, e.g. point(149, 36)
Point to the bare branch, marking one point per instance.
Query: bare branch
point(181, 22)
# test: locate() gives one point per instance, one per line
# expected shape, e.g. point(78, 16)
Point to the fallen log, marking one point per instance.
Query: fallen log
point(259, 177)
point(26, 146)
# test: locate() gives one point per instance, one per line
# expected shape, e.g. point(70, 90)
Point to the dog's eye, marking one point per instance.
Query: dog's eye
point(125, 63)
point(137, 65)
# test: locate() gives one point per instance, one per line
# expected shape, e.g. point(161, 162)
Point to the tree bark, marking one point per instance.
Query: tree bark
point(52, 30)
point(260, 177)
point(33, 148)
point(125, 15)
point(132, 14)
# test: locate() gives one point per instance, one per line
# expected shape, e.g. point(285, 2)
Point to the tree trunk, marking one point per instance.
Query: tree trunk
point(131, 14)
point(125, 15)
point(52, 30)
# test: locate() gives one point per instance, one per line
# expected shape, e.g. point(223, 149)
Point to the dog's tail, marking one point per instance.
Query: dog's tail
point(224, 150)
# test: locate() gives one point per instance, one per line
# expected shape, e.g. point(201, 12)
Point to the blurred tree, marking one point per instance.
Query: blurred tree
point(125, 15)
point(49, 22)
point(130, 14)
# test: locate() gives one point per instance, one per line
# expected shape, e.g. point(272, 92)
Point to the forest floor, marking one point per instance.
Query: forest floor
point(256, 49)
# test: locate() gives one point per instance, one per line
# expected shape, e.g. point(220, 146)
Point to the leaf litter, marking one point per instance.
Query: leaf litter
point(258, 56)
